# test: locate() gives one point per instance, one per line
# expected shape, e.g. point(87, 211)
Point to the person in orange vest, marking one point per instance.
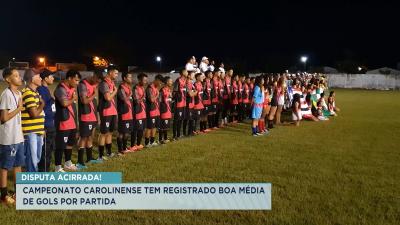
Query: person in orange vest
point(87, 117)
point(125, 113)
point(206, 115)
point(198, 101)
point(65, 120)
point(246, 95)
point(215, 99)
point(179, 96)
point(235, 94)
point(165, 110)
point(108, 111)
point(139, 105)
point(152, 111)
point(188, 121)
point(227, 95)
point(240, 106)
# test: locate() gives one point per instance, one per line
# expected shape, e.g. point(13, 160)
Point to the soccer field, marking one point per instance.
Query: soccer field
point(342, 171)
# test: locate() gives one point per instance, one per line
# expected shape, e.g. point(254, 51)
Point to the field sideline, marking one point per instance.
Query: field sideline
point(342, 171)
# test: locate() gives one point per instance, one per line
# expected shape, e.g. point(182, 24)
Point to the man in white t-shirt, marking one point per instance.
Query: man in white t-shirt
point(204, 64)
point(211, 66)
point(190, 65)
point(11, 137)
point(221, 68)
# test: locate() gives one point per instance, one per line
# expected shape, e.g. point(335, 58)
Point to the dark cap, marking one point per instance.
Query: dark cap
point(45, 73)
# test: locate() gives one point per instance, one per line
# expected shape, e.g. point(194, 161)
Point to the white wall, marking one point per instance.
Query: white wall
point(364, 81)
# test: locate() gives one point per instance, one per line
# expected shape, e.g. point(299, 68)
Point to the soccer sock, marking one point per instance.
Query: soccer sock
point(151, 140)
point(133, 137)
point(254, 129)
point(185, 123)
point(68, 154)
point(196, 121)
point(209, 119)
point(146, 141)
point(165, 135)
point(270, 124)
point(101, 151)
point(179, 125)
point(4, 193)
point(108, 147)
point(81, 152)
point(124, 142)
point(119, 144)
point(190, 130)
point(139, 136)
point(160, 135)
point(216, 120)
point(174, 128)
point(58, 157)
point(89, 155)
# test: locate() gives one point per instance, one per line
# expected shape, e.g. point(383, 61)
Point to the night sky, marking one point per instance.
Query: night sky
point(252, 36)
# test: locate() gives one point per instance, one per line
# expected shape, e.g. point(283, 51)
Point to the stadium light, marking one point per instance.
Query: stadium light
point(42, 60)
point(304, 59)
point(158, 60)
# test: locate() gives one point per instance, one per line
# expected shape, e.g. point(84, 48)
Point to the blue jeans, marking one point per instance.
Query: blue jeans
point(12, 156)
point(33, 151)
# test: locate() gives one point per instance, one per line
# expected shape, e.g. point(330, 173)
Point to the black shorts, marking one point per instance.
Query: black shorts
point(226, 105)
point(107, 124)
point(274, 102)
point(153, 122)
point(234, 108)
point(179, 113)
point(86, 128)
point(246, 107)
point(189, 114)
point(139, 124)
point(213, 108)
point(65, 138)
point(197, 114)
point(165, 124)
point(205, 111)
point(125, 126)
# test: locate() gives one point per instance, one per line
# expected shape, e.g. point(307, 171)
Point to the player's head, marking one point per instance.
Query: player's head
point(142, 79)
point(72, 78)
point(127, 77)
point(112, 72)
point(158, 80)
point(12, 77)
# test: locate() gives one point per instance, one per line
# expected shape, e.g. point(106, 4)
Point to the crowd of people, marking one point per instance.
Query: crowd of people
point(37, 123)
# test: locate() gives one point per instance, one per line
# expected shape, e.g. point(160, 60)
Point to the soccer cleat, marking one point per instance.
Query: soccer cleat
point(71, 167)
point(60, 170)
point(110, 155)
point(148, 146)
point(155, 144)
point(133, 149)
point(81, 167)
point(8, 200)
point(139, 147)
point(95, 161)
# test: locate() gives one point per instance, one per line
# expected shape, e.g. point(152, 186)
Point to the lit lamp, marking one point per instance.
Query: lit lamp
point(304, 59)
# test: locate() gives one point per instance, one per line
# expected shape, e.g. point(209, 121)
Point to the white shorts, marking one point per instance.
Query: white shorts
point(296, 116)
point(281, 100)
